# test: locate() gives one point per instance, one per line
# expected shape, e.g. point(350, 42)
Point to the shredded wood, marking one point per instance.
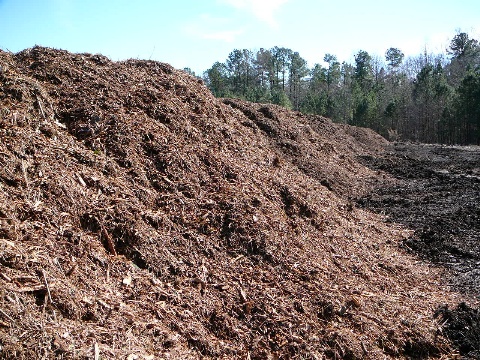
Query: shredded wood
point(141, 218)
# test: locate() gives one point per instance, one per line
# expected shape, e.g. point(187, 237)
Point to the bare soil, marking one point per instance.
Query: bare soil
point(141, 218)
point(438, 196)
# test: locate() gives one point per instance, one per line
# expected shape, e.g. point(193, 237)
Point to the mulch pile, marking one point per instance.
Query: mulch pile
point(141, 218)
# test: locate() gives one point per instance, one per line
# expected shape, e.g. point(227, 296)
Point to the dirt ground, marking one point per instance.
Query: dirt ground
point(142, 218)
point(437, 195)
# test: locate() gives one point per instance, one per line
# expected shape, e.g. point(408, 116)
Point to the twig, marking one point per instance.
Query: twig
point(80, 179)
point(108, 239)
point(48, 287)
point(6, 315)
point(24, 170)
point(364, 348)
point(96, 351)
point(5, 276)
point(41, 108)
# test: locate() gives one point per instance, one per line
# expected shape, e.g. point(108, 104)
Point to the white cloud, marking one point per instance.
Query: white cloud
point(264, 10)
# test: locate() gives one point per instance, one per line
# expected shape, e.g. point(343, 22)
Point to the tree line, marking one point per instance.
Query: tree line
point(432, 98)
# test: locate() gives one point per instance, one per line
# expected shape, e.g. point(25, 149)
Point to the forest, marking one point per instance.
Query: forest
point(430, 98)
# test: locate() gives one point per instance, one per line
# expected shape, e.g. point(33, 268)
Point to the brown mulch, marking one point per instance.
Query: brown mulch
point(141, 218)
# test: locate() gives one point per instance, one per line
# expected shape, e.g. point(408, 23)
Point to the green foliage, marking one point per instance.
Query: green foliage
point(333, 72)
point(279, 97)
point(365, 109)
point(430, 93)
point(315, 103)
point(430, 83)
point(394, 57)
point(363, 69)
point(218, 80)
point(240, 67)
point(461, 45)
point(298, 71)
point(467, 108)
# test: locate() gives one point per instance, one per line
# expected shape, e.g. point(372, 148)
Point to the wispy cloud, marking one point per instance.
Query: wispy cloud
point(264, 10)
point(212, 28)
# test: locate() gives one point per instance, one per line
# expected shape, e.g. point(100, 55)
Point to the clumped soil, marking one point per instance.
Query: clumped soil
point(437, 194)
point(141, 218)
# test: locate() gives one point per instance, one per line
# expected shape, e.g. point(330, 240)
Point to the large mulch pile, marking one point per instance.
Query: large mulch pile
point(141, 218)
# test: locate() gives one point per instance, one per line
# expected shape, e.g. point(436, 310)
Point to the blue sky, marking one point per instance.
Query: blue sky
point(196, 33)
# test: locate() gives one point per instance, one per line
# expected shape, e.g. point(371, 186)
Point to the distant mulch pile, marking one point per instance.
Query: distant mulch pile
point(141, 218)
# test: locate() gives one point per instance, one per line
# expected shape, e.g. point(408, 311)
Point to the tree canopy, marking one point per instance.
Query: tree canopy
point(428, 98)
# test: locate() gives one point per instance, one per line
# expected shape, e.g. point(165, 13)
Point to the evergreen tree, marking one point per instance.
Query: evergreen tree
point(333, 75)
point(465, 54)
point(240, 66)
point(218, 81)
point(315, 101)
point(394, 58)
point(464, 126)
point(281, 63)
point(462, 46)
point(364, 99)
point(345, 98)
point(430, 92)
point(298, 71)
point(363, 70)
point(395, 104)
point(264, 68)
